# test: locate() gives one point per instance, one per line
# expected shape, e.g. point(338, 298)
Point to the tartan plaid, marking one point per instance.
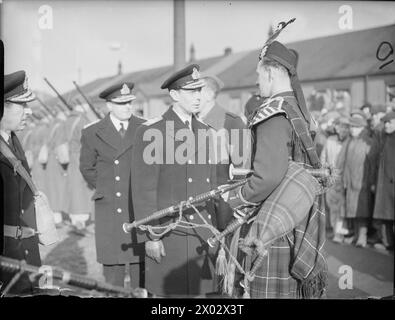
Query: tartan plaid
point(272, 280)
point(295, 258)
point(287, 206)
point(295, 265)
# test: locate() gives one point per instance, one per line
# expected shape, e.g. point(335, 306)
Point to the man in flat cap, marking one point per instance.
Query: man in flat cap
point(385, 190)
point(294, 266)
point(20, 237)
point(357, 168)
point(105, 160)
point(179, 262)
point(232, 138)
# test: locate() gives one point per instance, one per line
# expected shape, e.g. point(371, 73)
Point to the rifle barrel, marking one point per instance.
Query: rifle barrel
point(58, 94)
point(45, 106)
point(87, 100)
point(13, 265)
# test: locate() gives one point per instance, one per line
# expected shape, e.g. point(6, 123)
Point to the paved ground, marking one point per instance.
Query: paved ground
point(371, 272)
point(74, 253)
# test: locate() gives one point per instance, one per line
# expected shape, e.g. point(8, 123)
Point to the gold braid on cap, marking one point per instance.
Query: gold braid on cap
point(280, 27)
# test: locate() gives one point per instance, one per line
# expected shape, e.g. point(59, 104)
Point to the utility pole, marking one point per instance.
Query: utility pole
point(179, 34)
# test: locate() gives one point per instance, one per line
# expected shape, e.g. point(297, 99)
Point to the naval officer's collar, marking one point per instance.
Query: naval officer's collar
point(117, 123)
point(183, 117)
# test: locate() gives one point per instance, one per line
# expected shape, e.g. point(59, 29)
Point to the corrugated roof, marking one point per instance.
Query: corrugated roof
point(345, 55)
point(87, 88)
point(149, 82)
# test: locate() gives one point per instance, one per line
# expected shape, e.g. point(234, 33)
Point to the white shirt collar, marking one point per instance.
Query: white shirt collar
point(117, 123)
point(5, 135)
point(184, 117)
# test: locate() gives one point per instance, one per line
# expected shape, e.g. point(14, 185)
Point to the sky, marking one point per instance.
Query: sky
point(87, 38)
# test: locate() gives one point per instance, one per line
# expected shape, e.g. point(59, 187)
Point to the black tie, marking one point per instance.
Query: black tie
point(122, 131)
point(190, 126)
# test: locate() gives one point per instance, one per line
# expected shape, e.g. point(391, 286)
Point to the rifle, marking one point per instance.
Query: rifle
point(20, 267)
point(58, 94)
point(87, 101)
point(46, 107)
point(127, 227)
point(62, 108)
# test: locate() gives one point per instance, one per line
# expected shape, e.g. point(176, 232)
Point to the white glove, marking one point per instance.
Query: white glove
point(155, 250)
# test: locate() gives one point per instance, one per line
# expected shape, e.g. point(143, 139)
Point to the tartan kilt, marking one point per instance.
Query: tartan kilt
point(272, 279)
point(292, 253)
point(287, 206)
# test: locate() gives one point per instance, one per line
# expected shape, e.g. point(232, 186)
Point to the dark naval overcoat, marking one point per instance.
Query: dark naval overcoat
point(188, 267)
point(105, 163)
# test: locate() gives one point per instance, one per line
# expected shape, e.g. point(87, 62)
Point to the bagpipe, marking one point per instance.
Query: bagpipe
point(285, 208)
point(240, 176)
point(200, 198)
point(46, 274)
point(296, 176)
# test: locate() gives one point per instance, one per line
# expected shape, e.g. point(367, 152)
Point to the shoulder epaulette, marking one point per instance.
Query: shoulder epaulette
point(203, 122)
point(231, 114)
point(91, 123)
point(140, 117)
point(268, 109)
point(152, 121)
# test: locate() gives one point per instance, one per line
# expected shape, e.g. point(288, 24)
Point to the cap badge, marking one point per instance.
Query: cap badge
point(125, 89)
point(263, 52)
point(195, 74)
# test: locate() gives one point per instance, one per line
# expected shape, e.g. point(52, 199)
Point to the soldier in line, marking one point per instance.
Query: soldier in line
point(20, 237)
point(55, 170)
point(180, 262)
point(39, 138)
point(105, 161)
point(233, 148)
point(79, 204)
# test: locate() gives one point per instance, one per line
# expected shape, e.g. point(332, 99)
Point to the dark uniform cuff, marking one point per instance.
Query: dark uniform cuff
point(237, 199)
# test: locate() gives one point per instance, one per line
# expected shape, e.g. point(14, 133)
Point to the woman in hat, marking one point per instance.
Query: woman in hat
point(356, 163)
